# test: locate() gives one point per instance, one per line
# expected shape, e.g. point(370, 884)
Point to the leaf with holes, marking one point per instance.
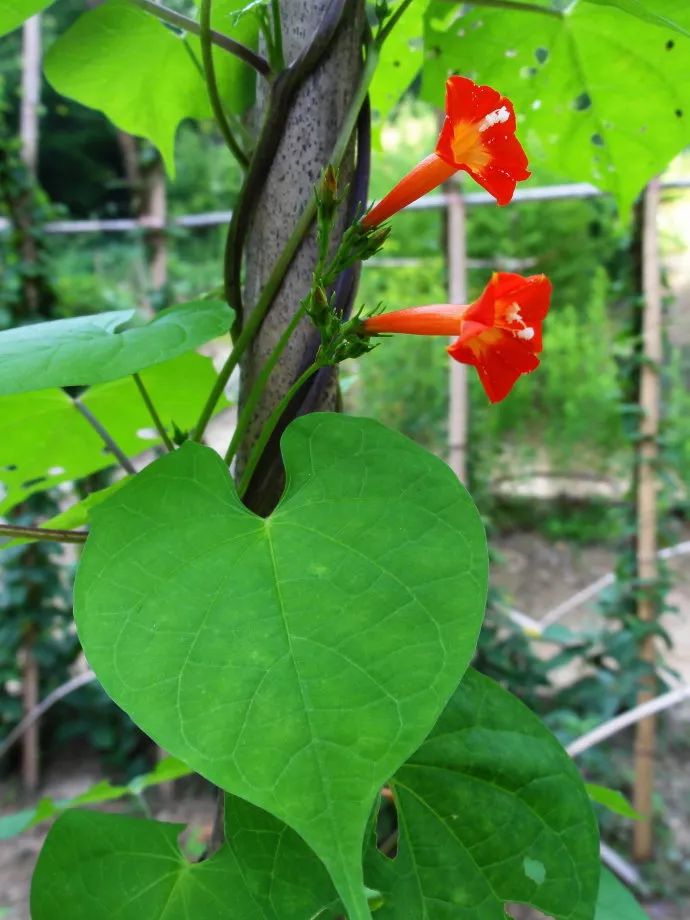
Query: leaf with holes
point(570, 75)
point(14, 12)
point(491, 810)
point(45, 441)
point(615, 901)
point(119, 59)
point(96, 349)
point(297, 660)
point(98, 866)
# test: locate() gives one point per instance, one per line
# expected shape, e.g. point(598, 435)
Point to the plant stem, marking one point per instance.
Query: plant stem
point(116, 451)
point(279, 270)
point(386, 29)
point(240, 51)
point(155, 417)
point(212, 85)
point(259, 386)
point(270, 424)
point(43, 533)
point(279, 55)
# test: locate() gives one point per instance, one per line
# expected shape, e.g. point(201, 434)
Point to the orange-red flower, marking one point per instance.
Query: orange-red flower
point(478, 135)
point(500, 333)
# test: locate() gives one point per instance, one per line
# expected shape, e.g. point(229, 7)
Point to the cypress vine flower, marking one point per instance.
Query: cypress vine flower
point(478, 136)
point(499, 334)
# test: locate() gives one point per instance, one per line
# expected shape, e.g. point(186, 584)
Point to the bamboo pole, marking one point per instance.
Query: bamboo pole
point(458, 407)
point(29, 139)
point(647, 455)
point(157, 206)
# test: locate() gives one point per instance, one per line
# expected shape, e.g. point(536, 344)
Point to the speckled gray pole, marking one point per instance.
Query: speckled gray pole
point(310, 134)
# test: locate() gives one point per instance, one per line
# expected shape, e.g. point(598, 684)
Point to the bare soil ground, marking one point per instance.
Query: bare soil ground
point(537, 574)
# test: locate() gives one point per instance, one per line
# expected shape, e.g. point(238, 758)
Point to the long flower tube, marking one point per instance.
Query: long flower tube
point(500, 333)
point(478, 136)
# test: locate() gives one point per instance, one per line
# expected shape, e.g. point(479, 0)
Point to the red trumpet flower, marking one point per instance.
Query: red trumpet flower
point(478, 136)
point(500, 333)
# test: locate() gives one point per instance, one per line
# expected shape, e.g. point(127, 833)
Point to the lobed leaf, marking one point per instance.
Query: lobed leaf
point(96, 349)
point(97, 866)
point(119, 59)
point(571, 77)
point(491, 810)
point(295, 661)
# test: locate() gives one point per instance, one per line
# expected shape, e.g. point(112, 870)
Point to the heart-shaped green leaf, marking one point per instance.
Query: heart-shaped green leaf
point(295, 661)
point(96, 349)
point(572, 75)
point(119, 59)
point(45, 441)
point(99, 866)
point(491, 810)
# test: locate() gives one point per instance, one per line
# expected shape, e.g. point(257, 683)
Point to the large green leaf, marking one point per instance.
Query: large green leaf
point(119, 59)
point(297, 660)
point(45, 441)
point(99, 866)
point(491, 810)
point(601, 97)
point(95, 349)
point(615, 901)
point(14, 12)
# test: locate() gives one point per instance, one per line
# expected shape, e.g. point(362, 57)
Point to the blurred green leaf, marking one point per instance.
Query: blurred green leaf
point(14, 12)
point(45, 441)
point(612, 799)
point(96, 349)
point(615, 901)
point(669, 14)
point(401, 60)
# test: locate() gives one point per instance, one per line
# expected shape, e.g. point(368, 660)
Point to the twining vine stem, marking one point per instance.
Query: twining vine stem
point(278, 106)
point(212, 85)
point(275, 279)
point(270, 424)
point(259, 385)
point(180, 21)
